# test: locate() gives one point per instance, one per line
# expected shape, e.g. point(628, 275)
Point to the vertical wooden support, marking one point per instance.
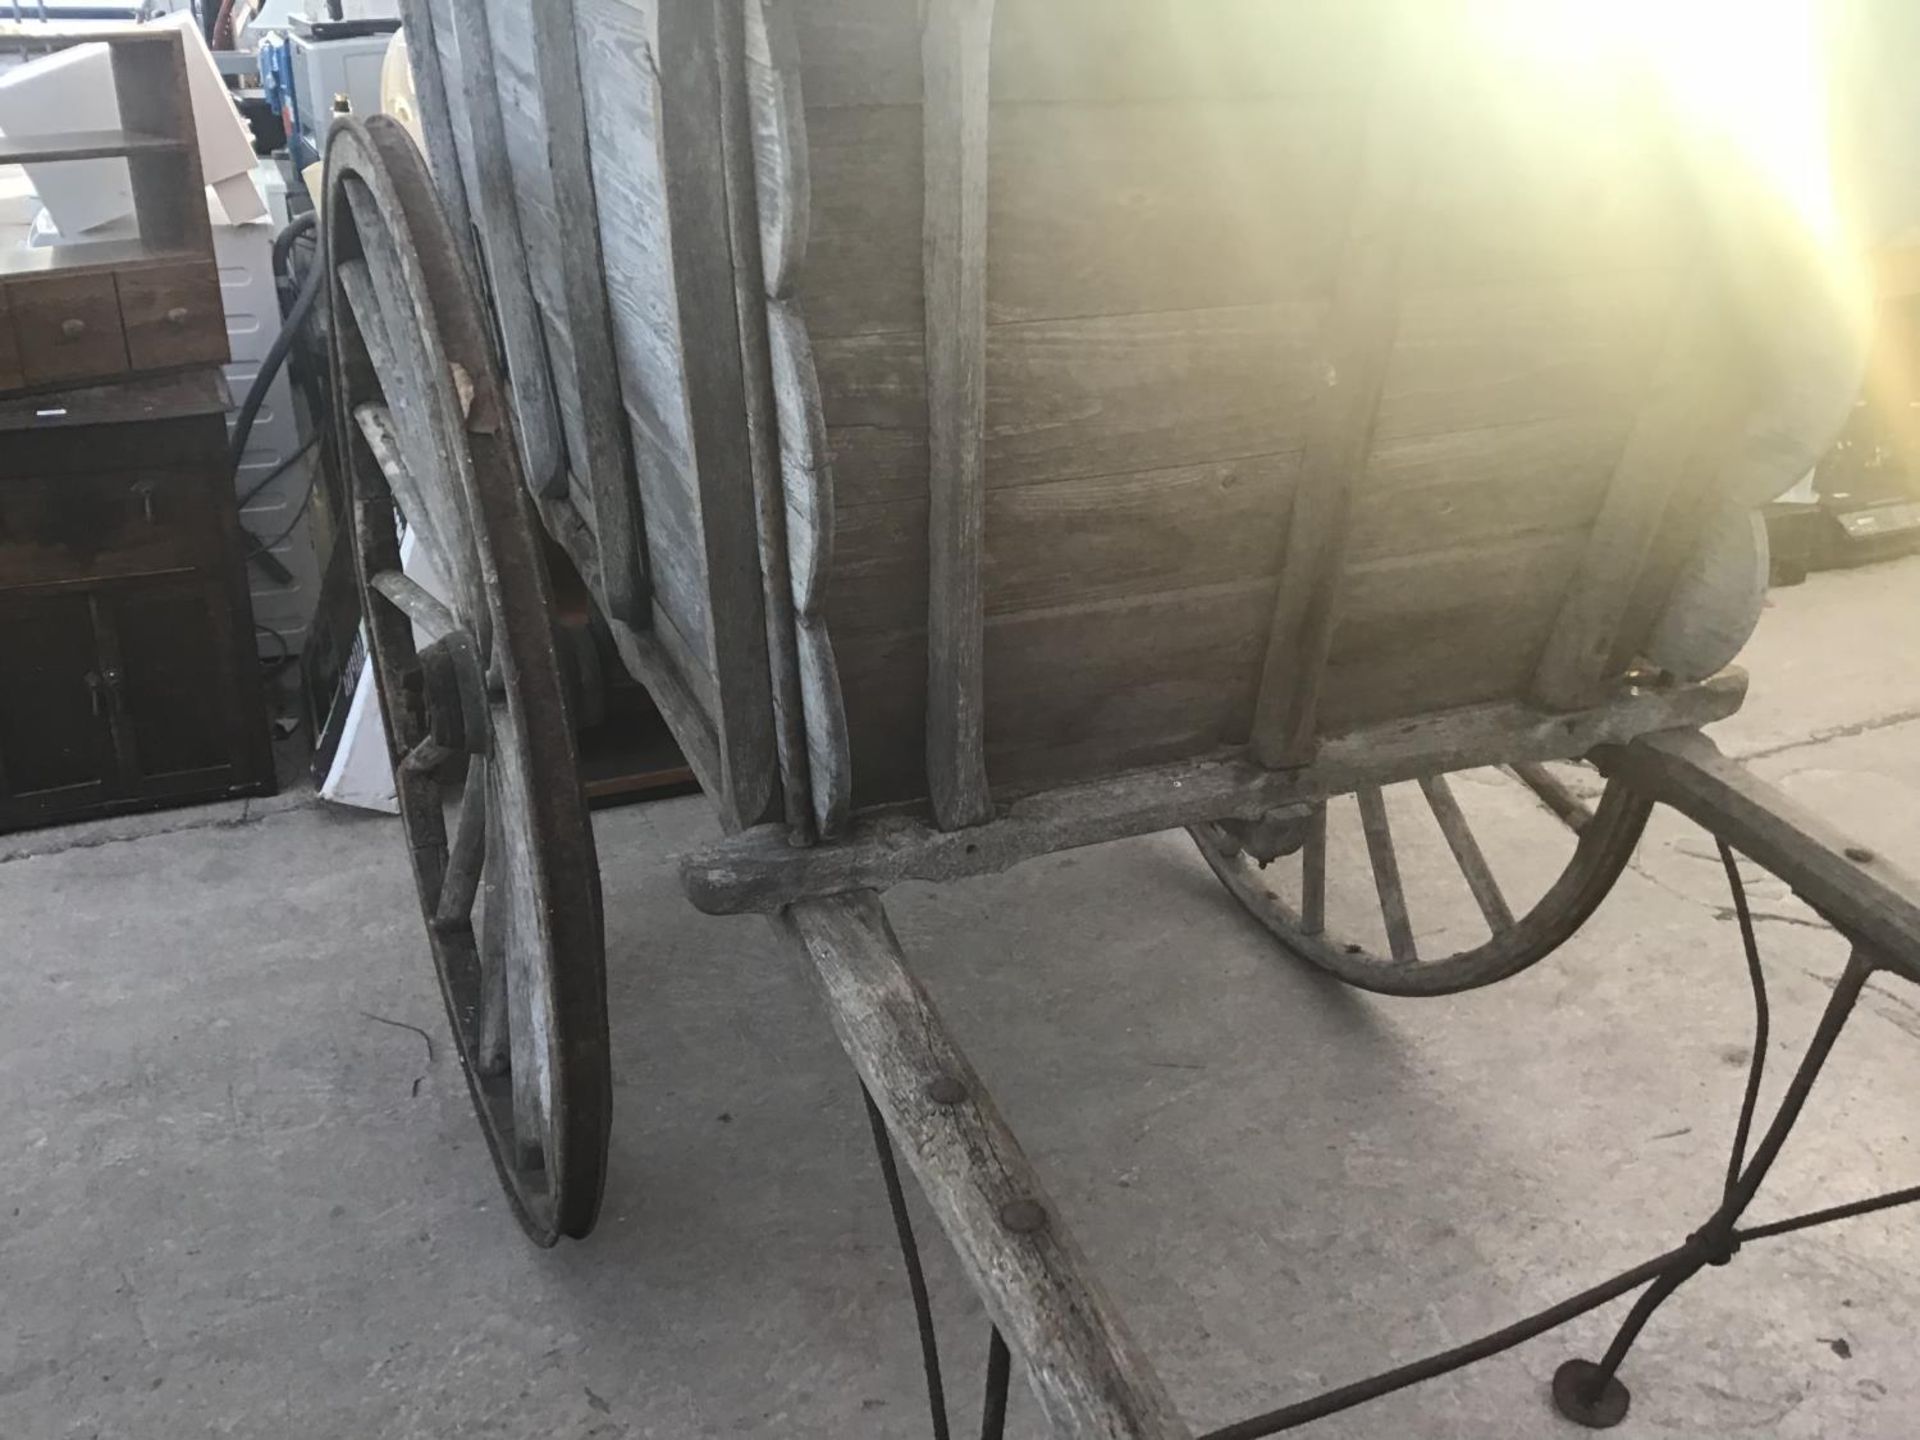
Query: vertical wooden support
point(1670, 457)
point(693, 149)
point(955, 56)
point(542, 448)
point(436, 123)
point(1355, 348)
point(759, 273)
point(607, 467)
point(1089, 1375)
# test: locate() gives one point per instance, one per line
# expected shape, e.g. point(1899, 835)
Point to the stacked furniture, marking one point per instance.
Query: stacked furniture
point(127, 675)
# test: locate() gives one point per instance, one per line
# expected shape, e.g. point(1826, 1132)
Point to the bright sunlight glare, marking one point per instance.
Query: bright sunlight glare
point(1749, 73)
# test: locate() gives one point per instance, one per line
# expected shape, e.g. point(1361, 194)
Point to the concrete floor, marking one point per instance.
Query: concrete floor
point(235, 1201)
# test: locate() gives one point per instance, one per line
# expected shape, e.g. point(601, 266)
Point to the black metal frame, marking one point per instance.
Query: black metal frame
point(1590, 1393)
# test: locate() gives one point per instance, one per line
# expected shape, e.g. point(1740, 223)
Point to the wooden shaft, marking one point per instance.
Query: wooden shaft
point(1088, 1374)
point(955, 50)
point(1873, 902)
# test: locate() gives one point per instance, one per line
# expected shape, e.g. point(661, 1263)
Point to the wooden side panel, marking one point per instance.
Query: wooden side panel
point(1169, 190)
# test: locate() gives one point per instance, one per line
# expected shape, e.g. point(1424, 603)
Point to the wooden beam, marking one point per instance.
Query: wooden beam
point(1671, 454)
point(955, 48)
point(759, 871)
point(1871, 901)
point(606, 469)
point(1356, 347)
point(1088, 1374)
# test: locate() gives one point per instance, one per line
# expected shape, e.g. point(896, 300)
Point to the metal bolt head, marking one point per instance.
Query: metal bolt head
point(1859, 854)
point(1023, 1217)
point(945, 1090)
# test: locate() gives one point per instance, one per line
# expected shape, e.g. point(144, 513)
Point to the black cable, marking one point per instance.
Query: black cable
point(916, 1277)
point(993, 1412)
point(253, 491)
point(277, 352)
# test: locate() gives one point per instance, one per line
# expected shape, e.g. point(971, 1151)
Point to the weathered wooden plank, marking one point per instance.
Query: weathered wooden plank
point(692, 145)
point(1088, 1374)
point(1354, 353)
point(536, 414)
point(758, 871)
point(1684, 424)
point(1101, 395)
point(865, 52)
point(436, 123)
point(1872, 901)
point(1484, 486)
point(1454, 627)
point(955, 45)
point(603, 460)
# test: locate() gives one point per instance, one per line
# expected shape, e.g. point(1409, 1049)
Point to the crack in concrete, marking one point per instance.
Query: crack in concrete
point(97, 842)
point(1837, 732)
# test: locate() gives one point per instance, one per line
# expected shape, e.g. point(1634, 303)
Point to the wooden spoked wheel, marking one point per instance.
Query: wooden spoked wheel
point(469, 680)
point(1291, 895)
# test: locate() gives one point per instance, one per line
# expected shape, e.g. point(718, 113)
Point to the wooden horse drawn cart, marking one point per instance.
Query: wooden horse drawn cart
point(993, 430)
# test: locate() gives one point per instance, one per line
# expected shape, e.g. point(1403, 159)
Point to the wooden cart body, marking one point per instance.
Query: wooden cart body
point(1122, 382)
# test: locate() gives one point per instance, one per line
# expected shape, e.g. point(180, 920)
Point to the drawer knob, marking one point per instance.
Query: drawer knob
point(177, 315)
point(73, 328)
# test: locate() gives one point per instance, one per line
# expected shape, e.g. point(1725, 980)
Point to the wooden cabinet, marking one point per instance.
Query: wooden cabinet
point(127, 671)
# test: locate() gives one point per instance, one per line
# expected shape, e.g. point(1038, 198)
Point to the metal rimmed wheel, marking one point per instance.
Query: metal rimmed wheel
point(469, 680)
point(1291, 896)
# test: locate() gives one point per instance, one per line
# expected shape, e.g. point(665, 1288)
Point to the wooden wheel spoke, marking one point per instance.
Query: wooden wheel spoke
point(1313, 874)
point(466, 853)
point(429, 615)
point(1467, 853)
point(1554, 793)
point(1386, 873)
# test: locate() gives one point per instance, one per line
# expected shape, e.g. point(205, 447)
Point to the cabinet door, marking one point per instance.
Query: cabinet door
point(179, 714)
point(56, 750)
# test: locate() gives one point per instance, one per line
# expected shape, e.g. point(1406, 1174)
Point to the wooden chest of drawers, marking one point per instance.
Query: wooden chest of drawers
point(127, 670)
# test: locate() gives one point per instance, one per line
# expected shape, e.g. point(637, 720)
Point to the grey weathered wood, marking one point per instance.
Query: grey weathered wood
point(693, 150)
point(467, 848)
point(1313, 874)
point(497, 217)
point(1088, 1374)
point(1872, 901)
point(605, 464)
point(749, 185)
point(1669, 454)
point(436, 122)
point(429, 616)
point(1466, 852)
point(1386, 873)
point(1353, 357)
point(955, 53)
point(1554, 793)
point(758, 871)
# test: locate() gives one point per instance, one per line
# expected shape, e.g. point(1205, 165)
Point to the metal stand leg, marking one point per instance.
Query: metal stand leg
point(1592, 1394)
